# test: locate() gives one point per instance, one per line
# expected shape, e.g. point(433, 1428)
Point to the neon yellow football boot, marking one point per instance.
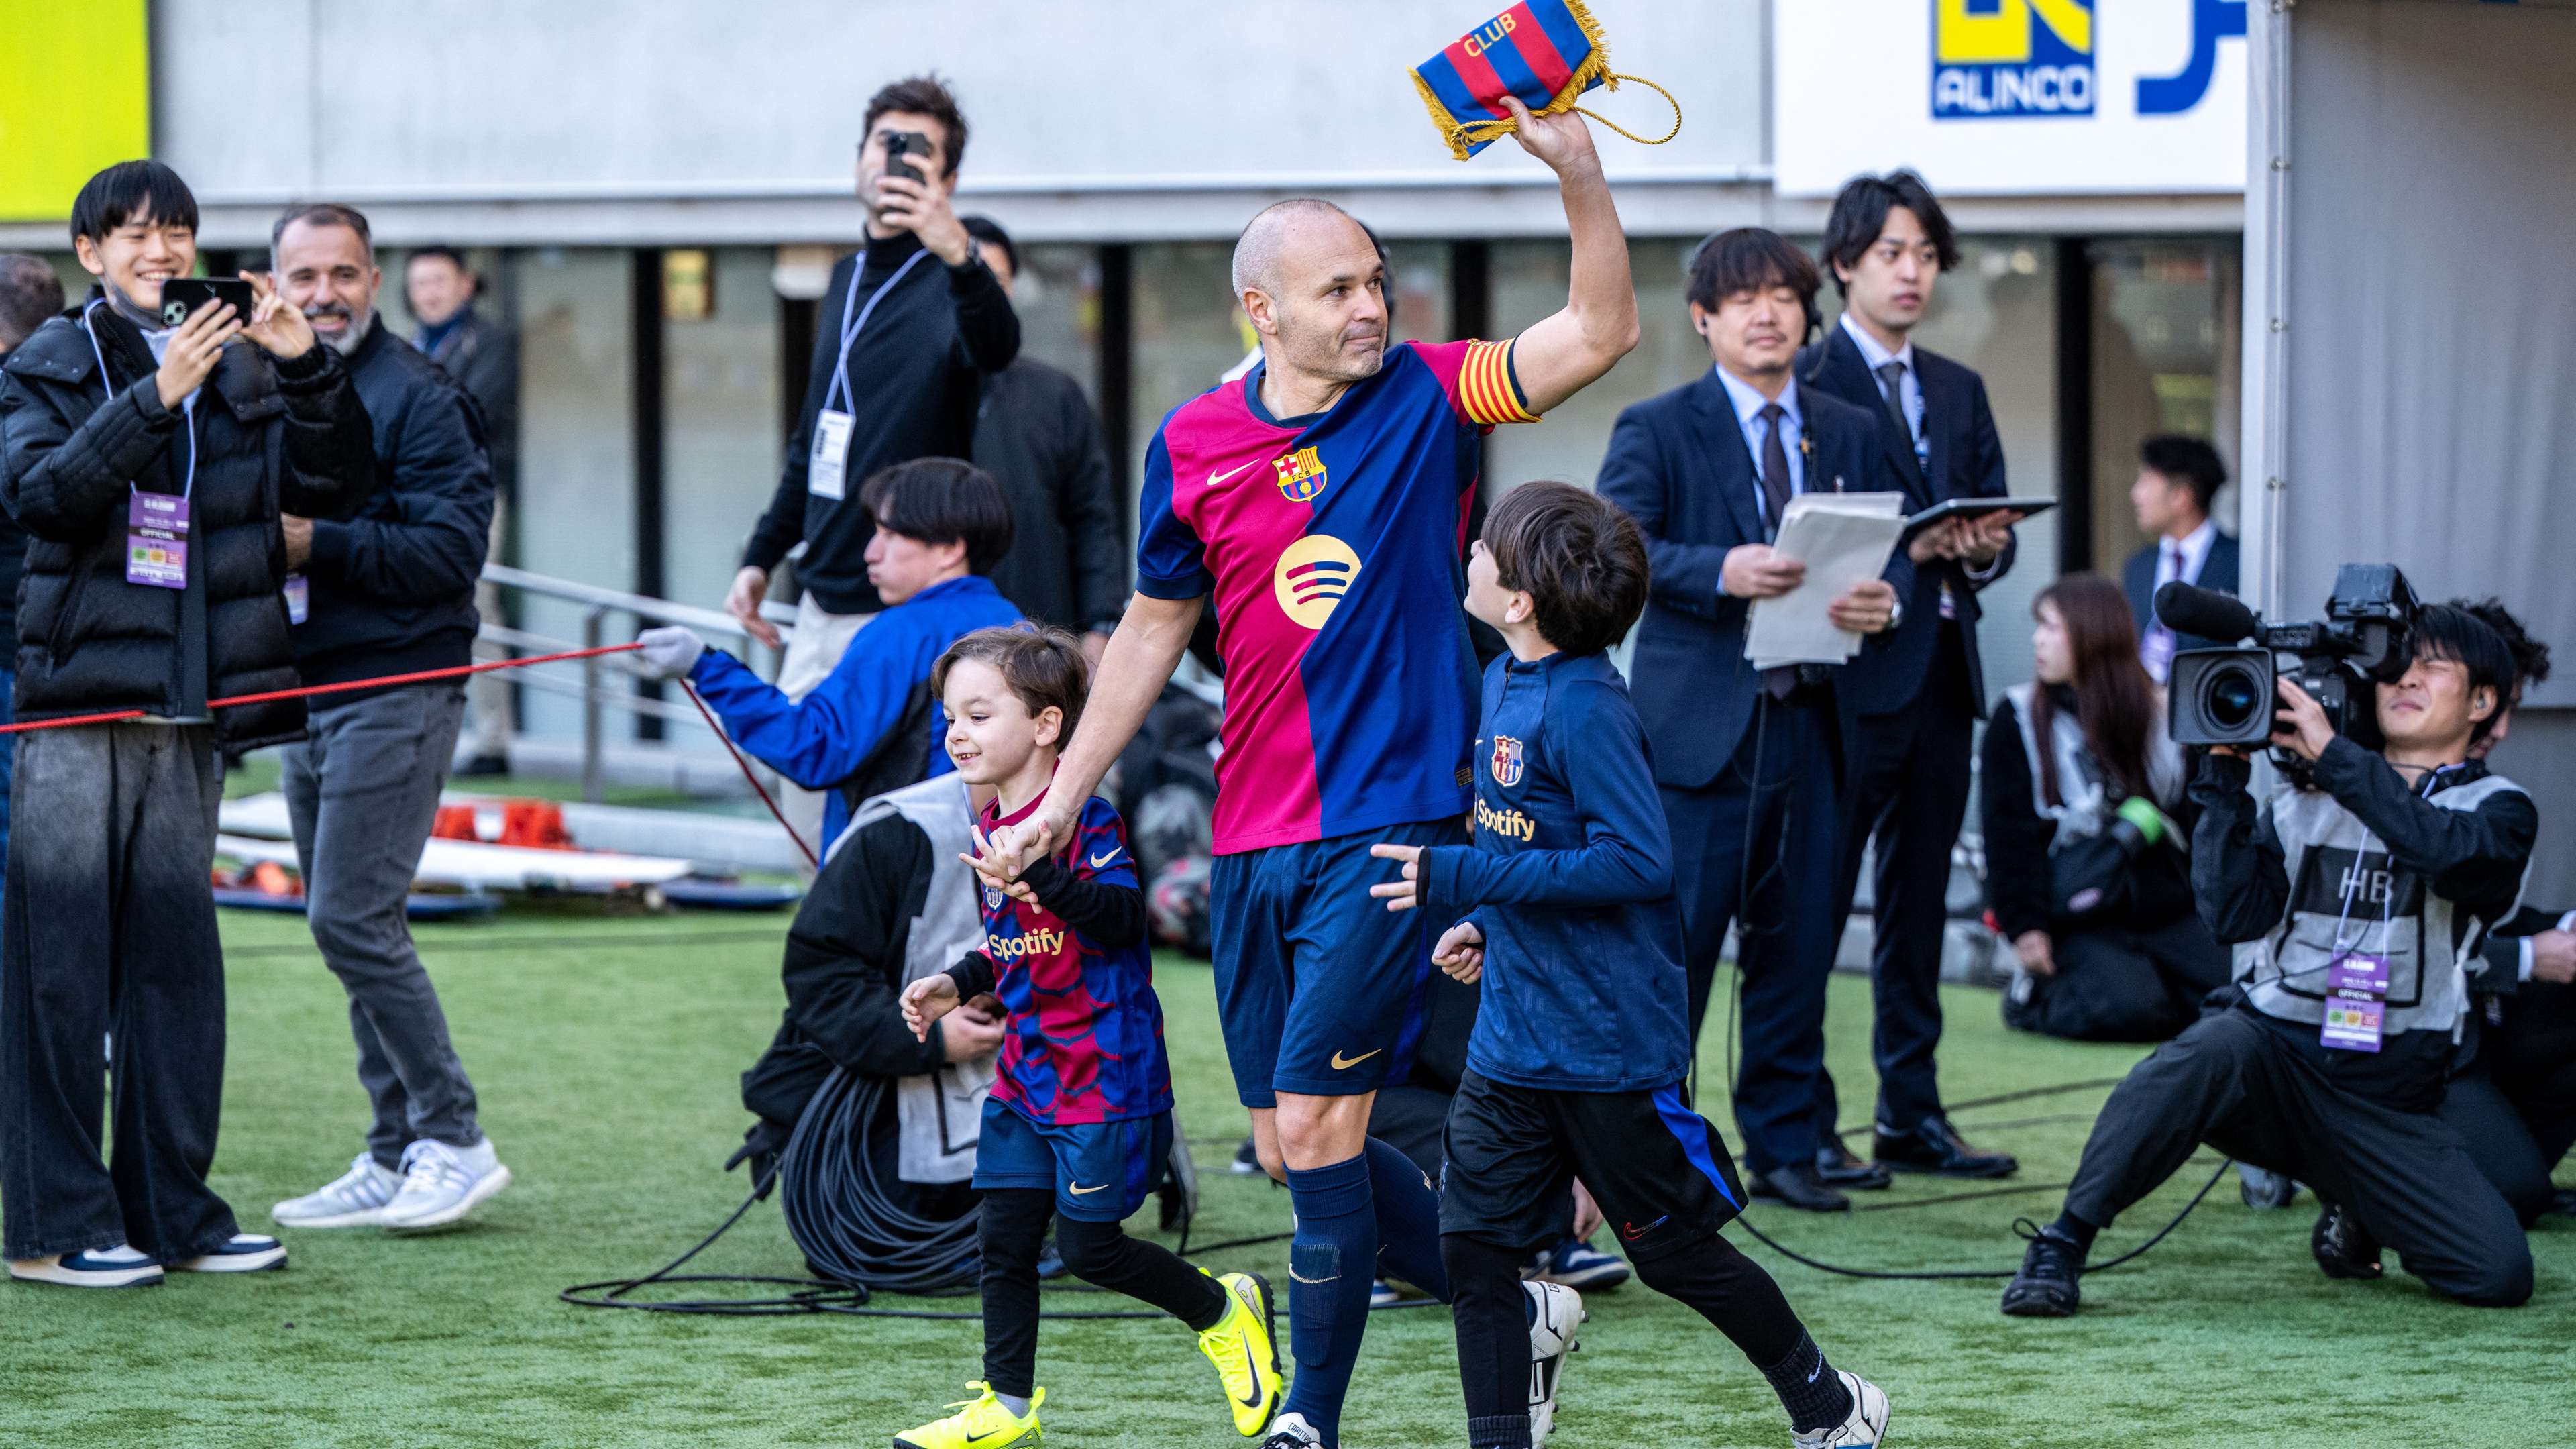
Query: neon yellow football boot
point(982, 1423)
point(1245, 1354)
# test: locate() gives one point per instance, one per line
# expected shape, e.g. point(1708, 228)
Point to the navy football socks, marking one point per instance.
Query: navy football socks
point(1331, 1262)
point(1408, 1220)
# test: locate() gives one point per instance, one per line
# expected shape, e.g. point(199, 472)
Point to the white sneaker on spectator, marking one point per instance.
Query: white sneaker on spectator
point(355, 1199)
point(117, 1267)
point(244, 1253)
point(441, 1184)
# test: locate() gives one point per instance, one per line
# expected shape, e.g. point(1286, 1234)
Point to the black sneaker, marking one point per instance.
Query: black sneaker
point(2343, 1247)
point(1247, 1160)
point(2045, 1286)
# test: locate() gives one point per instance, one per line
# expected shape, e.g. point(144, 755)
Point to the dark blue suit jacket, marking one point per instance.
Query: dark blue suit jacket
point(2218, 572)
point(1967, 461)
point(1679, 465)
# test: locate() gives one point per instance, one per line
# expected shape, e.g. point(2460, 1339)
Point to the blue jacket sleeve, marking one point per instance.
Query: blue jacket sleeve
point(1626, 852)
point(819, 740)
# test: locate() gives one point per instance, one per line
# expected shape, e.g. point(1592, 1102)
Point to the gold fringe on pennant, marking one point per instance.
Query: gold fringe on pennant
point(1596, 66)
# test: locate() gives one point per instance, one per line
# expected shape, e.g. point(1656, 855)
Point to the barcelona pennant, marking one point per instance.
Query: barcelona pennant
point(1547, 52)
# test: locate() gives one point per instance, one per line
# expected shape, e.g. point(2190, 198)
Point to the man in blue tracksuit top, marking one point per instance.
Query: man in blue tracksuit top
point(1577, 1065)
point(941, 525)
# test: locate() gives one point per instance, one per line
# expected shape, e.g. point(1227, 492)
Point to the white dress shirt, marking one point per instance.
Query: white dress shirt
point(1749, 404)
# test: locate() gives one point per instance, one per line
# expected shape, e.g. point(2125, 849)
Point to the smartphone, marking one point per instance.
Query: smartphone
point(900, 144)
point(185, 297)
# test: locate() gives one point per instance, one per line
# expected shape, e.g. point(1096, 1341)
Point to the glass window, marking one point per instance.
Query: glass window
point(2165, 360)
point(721, 441)
point(1057, 297)
point(1530, 279)
point(576, 506)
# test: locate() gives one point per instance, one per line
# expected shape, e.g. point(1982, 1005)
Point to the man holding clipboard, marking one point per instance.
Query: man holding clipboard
point(1748, 760)
point(1918, 699)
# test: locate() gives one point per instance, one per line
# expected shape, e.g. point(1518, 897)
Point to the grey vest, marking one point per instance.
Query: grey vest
point(940, 1112)
point(2089, 807)
point(2347, 895)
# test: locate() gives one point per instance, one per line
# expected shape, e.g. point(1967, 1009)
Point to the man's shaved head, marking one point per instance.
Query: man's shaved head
point(1313, 281)
point(1277, 228)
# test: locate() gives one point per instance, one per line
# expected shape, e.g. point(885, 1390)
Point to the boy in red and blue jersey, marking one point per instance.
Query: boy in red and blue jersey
point(1321, 502)
point(1079, 1122)
point(1564, 910)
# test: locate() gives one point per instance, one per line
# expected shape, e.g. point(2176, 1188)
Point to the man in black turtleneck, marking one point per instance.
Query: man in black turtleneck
point(904, 338)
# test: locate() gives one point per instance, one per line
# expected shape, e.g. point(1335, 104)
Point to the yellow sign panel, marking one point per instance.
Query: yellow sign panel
point(75, 98)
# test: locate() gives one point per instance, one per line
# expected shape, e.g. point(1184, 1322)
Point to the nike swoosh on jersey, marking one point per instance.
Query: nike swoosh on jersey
point(1215, 477)
point(1079, 1190)
point(1343, 1064)
point(1100, 861)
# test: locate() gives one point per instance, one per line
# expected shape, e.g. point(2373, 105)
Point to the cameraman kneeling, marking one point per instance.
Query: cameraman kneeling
point(2365, 891)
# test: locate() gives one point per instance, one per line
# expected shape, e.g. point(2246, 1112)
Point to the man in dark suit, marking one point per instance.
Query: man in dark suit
point(1749, 761)
point(2177, 479)
point(1918, 699)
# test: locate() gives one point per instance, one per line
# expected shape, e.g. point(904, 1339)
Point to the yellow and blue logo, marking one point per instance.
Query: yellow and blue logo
point(1506, 763)
point(2001, 58)
point(1301, 475)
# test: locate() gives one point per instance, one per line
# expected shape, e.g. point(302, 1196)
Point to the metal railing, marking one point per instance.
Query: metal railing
point(597, 699)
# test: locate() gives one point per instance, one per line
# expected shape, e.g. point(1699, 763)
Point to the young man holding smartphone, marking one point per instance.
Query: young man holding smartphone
point(148, 465)
point(911, 326)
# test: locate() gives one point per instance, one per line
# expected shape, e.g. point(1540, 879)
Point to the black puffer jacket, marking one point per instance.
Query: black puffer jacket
point(269, 434)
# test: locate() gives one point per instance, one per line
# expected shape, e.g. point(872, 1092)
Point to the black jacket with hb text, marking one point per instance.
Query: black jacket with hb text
point(913, 378)
point(1039, 438)
point(1966, 461)
point(1679, 466)
point(392, 589)
point(271, 435)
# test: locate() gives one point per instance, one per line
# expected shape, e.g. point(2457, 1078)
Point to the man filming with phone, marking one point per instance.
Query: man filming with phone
point(2355, 902)
point(910, 327)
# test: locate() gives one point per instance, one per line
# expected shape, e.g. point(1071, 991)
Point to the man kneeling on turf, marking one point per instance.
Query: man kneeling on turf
point(1564, 907)
point(2354, 905)
point(1081, 1116)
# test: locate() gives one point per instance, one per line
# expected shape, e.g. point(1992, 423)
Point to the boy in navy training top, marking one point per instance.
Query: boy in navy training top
point(1564, 907)
point(1081, 1115)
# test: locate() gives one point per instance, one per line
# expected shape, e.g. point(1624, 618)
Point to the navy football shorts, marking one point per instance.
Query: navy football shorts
point(1101, 1171)
point(1318, 984)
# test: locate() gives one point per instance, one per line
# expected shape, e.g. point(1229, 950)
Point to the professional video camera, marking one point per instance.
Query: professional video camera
point(2227, 696)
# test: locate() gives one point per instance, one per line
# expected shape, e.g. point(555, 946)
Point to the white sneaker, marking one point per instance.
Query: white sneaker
point(117, 1267)
point(355, 1199)
point(244, 1253)
point(1864, 1429)
point(1559, 1311)
point(1291, 1431)
point(441, 1184)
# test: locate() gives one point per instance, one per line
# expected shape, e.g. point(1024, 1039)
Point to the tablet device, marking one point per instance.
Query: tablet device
point(1977, 508)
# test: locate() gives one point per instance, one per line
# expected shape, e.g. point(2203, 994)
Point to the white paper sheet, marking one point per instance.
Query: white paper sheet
point(1843, 538)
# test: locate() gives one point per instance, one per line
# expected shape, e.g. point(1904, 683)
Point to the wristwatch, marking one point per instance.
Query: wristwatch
point(1895, 616)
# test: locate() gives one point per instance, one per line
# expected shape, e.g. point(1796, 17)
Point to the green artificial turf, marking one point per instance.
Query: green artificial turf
point(606, 1051)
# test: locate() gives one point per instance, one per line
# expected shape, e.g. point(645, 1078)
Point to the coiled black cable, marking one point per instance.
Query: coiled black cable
point(845, 1218)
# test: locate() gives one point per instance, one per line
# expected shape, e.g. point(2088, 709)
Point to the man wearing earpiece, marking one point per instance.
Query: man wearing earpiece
point(1749, 762)
point(2355, 905)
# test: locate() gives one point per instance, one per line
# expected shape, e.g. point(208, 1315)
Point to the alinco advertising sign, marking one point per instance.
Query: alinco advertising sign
point(2012, 96)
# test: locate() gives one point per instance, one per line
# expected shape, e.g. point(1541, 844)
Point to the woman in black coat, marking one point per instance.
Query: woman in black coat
point(2086, 834)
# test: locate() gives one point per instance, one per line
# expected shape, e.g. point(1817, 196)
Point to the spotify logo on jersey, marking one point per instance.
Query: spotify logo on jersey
point(1312, 576)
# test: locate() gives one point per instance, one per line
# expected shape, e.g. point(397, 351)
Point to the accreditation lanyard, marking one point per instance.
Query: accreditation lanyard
point(825, 475)
point(2356, 1007)
point(156, 524)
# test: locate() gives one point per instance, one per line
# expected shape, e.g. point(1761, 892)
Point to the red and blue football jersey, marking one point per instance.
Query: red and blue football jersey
point(1333, 546)
point(1084, 1041)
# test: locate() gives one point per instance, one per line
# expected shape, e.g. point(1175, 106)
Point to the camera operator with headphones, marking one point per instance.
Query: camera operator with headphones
point(2354, 904)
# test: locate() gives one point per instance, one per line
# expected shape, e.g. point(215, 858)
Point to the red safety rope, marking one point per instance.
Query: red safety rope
point(310, 689)
point(425, 675)
point(745, 766)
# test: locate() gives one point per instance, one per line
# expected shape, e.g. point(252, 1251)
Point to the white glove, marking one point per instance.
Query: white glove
point(670, 653)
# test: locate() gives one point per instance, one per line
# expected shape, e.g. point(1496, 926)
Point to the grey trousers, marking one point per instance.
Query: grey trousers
point(362, 791)
point(109, 928)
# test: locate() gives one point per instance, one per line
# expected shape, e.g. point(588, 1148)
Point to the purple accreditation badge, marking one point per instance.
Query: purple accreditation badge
point(156, 540)
point(2354, 1023)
